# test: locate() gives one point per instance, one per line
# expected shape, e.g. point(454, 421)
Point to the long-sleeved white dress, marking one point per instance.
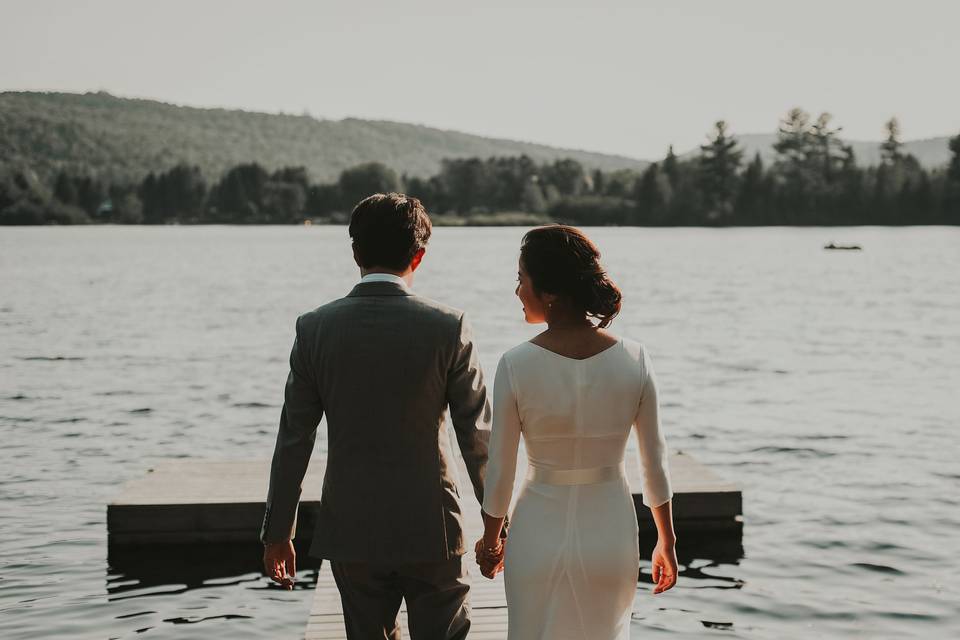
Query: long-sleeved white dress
point(572, 558)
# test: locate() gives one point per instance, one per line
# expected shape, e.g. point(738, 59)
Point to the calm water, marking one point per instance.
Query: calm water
point(824, 383)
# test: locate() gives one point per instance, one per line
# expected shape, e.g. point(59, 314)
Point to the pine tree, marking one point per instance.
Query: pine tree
point(798, 179)
point(951, 194)
point(752, 198)
point(670, 167)
point(652, 196)
point(890, 149)
point(719, 167)
point(826, 148)
point(184, 192)
point(953, 169)
point(849, 201)
point(150, 197)
point(793, 137)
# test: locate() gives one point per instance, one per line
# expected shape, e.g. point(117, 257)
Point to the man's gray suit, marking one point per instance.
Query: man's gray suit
point(384, 364)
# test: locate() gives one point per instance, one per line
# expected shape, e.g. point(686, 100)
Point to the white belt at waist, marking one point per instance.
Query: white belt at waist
point(589, 475)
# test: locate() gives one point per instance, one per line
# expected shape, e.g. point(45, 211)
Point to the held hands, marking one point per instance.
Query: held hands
point(664, 566)
point(490, 559)
point(280, 562)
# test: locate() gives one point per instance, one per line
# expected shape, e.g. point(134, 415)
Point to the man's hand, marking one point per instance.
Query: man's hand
point(490, 563)
point(490, 569)
point(280, 562)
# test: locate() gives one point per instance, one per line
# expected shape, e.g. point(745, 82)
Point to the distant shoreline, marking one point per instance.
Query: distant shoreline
point(506, 219)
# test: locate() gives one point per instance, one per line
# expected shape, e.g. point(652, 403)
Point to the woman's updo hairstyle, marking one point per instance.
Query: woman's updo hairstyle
point(563, 261)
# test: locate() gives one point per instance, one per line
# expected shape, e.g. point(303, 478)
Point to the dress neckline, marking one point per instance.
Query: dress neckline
point(599, 353)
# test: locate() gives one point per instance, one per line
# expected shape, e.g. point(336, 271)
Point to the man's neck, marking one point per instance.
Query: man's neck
point(406, 276)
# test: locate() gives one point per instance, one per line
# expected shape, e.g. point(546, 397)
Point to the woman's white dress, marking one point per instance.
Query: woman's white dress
point(572, 558)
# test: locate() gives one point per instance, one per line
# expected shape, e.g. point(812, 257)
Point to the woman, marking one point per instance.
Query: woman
point(575, 392)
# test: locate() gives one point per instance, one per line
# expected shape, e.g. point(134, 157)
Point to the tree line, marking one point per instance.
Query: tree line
point(814, 180)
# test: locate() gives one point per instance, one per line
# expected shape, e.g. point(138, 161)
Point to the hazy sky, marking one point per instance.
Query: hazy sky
point(622, 77)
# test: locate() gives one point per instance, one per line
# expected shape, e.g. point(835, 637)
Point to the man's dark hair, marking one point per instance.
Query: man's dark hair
point(388, 229)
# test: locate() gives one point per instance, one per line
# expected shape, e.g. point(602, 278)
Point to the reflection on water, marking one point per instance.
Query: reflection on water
point(195, 566)
point(134, 568)
point(822, 383)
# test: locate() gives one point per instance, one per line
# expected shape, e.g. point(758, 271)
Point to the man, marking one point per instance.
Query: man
point(384, 364)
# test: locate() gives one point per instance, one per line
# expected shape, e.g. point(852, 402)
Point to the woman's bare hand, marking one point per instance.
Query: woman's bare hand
point(664, 566)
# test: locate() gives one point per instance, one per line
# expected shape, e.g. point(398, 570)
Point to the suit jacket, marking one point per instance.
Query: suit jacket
point(384, 364)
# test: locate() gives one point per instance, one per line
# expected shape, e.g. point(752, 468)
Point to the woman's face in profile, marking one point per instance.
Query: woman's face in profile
point(532, 305)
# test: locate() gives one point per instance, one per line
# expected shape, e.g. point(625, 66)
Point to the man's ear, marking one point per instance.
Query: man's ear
point(356, 258)
point(417, 257)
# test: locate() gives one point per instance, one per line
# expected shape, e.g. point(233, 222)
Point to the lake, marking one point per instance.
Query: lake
point(826, 384)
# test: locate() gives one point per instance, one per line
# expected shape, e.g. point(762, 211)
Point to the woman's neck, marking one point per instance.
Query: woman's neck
point(568, 324)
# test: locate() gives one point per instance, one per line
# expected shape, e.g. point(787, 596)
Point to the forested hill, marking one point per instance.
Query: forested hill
point(120, 138)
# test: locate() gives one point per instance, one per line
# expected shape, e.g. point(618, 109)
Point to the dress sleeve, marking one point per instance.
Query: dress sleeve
point(504, 442)
point(653, 452)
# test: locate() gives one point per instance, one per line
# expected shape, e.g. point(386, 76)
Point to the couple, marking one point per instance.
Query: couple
point(384, 364)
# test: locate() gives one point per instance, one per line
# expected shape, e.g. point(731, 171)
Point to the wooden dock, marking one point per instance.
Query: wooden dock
point(184, 501)
point(194, 501)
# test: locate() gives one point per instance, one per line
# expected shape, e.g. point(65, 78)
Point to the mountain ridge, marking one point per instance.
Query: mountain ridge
point(128, 137)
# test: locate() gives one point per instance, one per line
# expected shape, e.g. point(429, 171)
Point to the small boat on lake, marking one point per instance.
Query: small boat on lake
point(843, 247)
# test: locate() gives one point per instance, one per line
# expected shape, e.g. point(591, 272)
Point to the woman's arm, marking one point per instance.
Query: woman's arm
point(502, 462)
point(491, 530)
point(657, 491)
point(663, 517)
point(652, 446)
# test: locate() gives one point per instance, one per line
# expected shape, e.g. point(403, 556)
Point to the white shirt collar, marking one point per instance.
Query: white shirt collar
point(384, 277)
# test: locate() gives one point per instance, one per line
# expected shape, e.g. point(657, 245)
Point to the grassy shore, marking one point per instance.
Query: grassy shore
point(499, 219)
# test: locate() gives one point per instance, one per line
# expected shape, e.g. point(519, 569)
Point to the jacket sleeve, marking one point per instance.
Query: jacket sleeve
point(504, 442)
point(470, 412)
point(299, 418)
point(652, 449)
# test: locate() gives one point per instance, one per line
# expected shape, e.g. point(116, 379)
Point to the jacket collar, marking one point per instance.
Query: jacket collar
point(379, 289)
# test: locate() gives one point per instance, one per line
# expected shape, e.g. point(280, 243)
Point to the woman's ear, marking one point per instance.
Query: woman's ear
point(548, 299)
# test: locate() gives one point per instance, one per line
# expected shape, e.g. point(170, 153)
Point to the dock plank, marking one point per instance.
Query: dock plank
point(488, 616)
